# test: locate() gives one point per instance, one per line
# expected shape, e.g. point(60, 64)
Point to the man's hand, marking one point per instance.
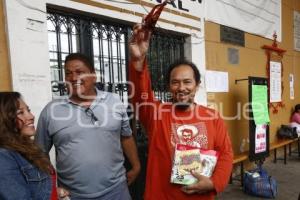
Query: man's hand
point(63, 194)
point(139, 45)
point(203, 185)
point(132, 174)
point(130, 150)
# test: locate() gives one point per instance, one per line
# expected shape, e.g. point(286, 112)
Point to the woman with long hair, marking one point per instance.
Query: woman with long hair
point(295, 118)
point(25, 171)
point(296, 114)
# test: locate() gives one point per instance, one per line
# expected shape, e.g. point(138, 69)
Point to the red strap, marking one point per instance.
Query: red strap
point(54, 195)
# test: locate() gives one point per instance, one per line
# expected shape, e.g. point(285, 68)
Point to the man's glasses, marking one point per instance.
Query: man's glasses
point(89, 112)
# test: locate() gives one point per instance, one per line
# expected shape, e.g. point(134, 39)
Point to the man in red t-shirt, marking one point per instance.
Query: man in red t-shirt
point(180, 122)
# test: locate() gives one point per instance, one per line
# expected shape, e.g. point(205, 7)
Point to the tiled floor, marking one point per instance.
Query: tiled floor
point(287, 176)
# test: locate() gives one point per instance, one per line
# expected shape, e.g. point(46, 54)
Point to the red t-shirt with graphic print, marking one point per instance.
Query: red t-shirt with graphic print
point(167, 126)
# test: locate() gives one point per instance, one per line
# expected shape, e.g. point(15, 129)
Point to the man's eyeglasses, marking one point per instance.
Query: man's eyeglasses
point(89, 112)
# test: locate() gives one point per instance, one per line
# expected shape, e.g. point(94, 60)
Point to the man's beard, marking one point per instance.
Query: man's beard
point(182, 105)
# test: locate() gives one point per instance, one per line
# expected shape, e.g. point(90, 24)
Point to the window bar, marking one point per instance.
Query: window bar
point(119, 65)
point(101, 54)
point(160, 66)
point(175, 49)
point(157, 65)
point(164, 65)
point(127, 34)
point(150, 57)
point(181, 50)
point(164, 69)
point(59, 59)
point(69, 31)
point(79, 35)
point(110, 61)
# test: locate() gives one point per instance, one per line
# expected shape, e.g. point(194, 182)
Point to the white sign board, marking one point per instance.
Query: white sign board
point(296, 30)
point(275, 81)
point(216, 81)
point(292, 92)
point(260, 138)
point(261, 17)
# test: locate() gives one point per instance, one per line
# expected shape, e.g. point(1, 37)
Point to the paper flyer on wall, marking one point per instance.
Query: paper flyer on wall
point(292, 91)
point(275, 82)
point(260, 138)
point(260, 104)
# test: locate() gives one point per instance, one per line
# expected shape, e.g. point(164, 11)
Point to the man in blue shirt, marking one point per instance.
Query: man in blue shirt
point(90, 130)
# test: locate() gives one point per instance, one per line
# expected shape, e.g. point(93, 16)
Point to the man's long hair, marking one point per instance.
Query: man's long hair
point(10, 136)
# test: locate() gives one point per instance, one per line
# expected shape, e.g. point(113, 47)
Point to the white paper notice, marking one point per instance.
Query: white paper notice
point(292, 92)
point(275, 81)
point(36, 88)
point(216, 81)
point(296, 30)
point(260, 138)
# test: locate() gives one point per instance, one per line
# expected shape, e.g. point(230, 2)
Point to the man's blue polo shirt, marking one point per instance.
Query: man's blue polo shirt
point(89, 156)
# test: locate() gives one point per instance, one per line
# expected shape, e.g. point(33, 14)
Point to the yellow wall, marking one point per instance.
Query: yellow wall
point(5, 75)
point(252, 63)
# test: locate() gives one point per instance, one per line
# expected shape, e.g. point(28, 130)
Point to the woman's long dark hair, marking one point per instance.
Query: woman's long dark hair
point(296, 109)
point(10, 136)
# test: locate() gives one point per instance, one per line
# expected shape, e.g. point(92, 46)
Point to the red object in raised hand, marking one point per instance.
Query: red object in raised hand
point(152, 17)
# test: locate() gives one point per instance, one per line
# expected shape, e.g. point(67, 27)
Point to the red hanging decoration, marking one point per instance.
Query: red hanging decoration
point(152, 17)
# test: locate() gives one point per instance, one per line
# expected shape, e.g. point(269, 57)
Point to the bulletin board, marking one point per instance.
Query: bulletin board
point(275, 74)
point(259, 140)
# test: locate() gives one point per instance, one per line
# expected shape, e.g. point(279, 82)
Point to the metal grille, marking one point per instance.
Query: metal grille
point(106, 43)
point(164, 50)
point(63, 38)
point(109, 46)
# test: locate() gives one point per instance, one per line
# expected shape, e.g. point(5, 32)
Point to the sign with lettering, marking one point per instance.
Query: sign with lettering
point(189, 6)
point(186, 14)
point(231, 35)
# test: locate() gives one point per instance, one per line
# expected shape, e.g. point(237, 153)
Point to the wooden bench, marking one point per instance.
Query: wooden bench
point(239, 159)
point(298, 145)
point(282, 143)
